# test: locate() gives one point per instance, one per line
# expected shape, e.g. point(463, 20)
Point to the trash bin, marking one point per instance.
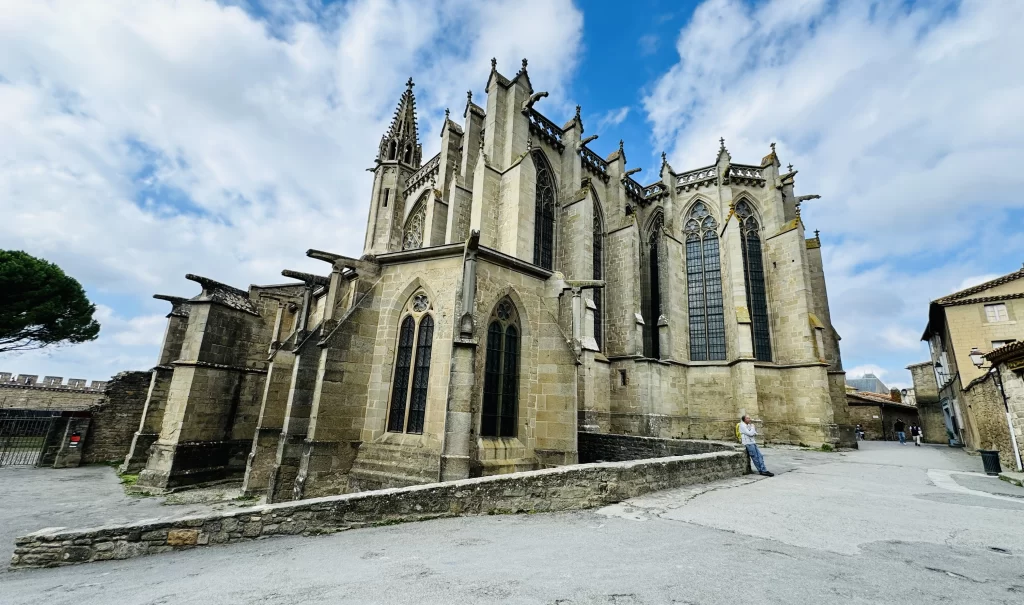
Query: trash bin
point(990, 459)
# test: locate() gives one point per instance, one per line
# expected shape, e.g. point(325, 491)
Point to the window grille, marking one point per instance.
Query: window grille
point(753, 273)
point(499, 413)
point(544, 214)
point(704, 286)
point(408, 407)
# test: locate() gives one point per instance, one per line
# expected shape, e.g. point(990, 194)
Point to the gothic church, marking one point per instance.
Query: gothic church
point(514, 289)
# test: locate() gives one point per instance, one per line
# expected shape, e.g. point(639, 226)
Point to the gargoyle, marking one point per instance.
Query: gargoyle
point(804, 198)
point(537, 96)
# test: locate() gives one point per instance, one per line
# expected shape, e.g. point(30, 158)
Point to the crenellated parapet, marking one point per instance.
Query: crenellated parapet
point(31, 381)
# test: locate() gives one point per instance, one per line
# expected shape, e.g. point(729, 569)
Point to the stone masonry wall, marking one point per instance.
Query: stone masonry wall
point(549, 490)
point(597, 447)
point(116, 419)
point(15, 396)
point(986, 407)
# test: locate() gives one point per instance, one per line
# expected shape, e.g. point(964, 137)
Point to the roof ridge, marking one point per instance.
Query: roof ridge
point(1019, 273)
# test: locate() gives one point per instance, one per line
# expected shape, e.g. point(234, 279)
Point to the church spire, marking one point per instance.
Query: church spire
point(401, 142)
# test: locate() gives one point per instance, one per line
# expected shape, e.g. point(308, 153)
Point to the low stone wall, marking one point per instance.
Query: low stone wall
point(557, 489)
point(602, 447)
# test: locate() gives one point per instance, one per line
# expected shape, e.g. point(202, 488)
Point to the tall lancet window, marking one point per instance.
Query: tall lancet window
point(704, 286)
point(598, 273)
point(499, 415)
point(409, 397)
point(651, 287)
point(753, 273)
point(544, 214)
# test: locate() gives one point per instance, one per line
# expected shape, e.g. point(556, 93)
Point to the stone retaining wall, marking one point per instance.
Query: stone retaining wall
point(601, 447)
point(557, 489)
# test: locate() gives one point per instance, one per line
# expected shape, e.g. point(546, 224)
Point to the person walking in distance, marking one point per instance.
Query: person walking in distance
point(748, 434)
point(900, 428)
point(915, 432)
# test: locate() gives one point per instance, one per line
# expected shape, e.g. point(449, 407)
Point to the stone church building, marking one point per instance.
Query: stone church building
point(514, 289)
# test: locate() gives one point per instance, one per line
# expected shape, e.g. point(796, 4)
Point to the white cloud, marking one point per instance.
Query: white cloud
point(898, 115)
point(975, 280)
point(612, 118)
point(860, 371)
point(259, 130)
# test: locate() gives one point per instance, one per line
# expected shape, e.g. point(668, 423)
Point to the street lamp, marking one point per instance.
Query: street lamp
point(978, 359)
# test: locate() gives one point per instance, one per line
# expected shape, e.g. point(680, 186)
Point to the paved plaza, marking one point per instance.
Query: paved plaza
point(886, 524)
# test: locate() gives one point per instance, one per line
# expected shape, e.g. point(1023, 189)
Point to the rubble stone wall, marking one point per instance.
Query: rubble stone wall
point(548, 490)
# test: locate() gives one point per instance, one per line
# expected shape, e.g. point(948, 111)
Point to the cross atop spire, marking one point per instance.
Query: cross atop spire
point(721, 142)
point(410, 83)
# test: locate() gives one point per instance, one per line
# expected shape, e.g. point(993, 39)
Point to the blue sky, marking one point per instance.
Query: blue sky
point(146, 140)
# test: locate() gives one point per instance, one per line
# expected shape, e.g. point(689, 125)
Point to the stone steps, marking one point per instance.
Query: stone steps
point(381, 465)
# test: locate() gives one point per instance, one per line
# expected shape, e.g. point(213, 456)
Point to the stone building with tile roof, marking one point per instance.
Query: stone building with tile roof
point(513, 290)
point(984, 317)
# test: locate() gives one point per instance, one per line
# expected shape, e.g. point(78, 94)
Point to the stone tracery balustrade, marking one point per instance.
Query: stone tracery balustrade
point(654, 190)
point(431, 168)
point(633, 189)
point(696, 178)
point(748, 173)
point(546, 129)
point(594, 163)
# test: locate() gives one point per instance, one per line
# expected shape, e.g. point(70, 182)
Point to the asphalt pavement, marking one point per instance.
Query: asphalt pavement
point(885, 524)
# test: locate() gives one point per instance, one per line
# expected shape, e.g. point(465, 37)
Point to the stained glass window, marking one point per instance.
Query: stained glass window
point(753, 273)
point(651, 299)
point(409, 401)
point(598, 293)
point(544, 214)
point(499, 415)
point(704, 286)
point(400, 388)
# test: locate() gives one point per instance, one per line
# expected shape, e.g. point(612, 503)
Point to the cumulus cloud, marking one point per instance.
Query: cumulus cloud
point(900, 115)
point(145, 140)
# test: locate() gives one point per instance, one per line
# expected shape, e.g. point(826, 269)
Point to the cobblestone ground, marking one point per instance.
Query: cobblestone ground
point(886, 524)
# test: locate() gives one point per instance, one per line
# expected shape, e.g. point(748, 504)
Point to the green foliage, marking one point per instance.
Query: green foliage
point(41, 306)
point(129, 480)
point(826, 447)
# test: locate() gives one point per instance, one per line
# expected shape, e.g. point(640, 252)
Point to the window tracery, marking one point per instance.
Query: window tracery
point(407, 410)
point(753, 274)
point(651, 293)
point(499, 413)
point(413, 236)
point(544, 214)
point(704, 286)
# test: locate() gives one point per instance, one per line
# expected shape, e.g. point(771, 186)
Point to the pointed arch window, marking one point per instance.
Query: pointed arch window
point(651, 287)
point(753, 274)
point(412, 360)
point(598, 273)
point(544, 214)
point(413, 236)
point(704, 286)
point(499, 415)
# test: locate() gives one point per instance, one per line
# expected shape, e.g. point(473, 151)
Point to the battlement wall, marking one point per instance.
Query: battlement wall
point(27, 392)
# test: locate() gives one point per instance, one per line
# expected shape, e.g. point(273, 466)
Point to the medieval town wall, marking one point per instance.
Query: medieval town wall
point(57, 397)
